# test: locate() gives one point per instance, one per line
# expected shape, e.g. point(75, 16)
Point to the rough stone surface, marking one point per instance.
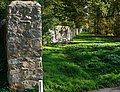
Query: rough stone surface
point(61, 34)
point(79, 30)
point(76, 31)
point(24, 44)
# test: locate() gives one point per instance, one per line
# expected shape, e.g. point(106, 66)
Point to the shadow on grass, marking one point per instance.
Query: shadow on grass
point(82, 66)
point(92, 38)
point(96, 60)
point(82, 39)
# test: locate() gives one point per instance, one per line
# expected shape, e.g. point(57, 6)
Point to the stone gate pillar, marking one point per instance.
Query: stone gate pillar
point(76, 31)
point(24, 44)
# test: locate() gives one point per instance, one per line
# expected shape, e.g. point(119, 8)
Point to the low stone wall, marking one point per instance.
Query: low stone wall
point(60, 34)
point(63, 33)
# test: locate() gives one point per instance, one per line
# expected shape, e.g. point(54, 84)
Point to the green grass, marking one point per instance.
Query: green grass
point(86, 63)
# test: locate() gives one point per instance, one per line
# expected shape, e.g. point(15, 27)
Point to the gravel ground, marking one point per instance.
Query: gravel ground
point(116, 89)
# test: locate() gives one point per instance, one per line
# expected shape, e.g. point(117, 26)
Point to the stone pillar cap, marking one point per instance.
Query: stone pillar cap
point(31, 3)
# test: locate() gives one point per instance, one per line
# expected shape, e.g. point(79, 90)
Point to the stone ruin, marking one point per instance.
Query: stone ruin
point(24, 42)
point(60, 34)
point(63, 33)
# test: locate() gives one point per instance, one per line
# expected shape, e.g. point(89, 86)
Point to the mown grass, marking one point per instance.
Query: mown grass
point(86, 63)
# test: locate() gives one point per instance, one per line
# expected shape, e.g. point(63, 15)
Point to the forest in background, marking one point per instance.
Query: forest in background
point(99, 16)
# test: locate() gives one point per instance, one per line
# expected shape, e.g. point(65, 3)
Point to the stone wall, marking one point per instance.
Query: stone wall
point(63, 33)
point(24, 44)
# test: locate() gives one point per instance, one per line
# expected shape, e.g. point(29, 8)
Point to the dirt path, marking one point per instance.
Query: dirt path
point(116, 89)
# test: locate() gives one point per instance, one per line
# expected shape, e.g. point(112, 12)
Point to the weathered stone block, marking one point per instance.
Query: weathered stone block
point(76, 31)
point(60, 34)
point(24, 44)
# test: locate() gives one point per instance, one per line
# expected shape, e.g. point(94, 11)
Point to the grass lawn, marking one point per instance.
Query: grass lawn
point(86, 63)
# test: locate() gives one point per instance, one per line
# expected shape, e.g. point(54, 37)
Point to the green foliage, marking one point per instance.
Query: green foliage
point(104, 17)
point(3, 4)
point(54, 12)
point(117, 26)
point(47, 38)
